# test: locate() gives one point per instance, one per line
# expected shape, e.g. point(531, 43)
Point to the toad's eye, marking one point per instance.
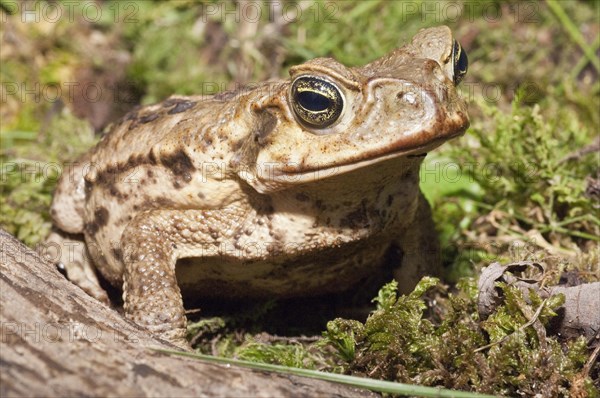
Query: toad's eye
point(461, 62)
point(318, 103)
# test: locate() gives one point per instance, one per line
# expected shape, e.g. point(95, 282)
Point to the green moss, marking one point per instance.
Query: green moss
point(206, 326)
point(398, 343)
point(292, 355)
point(31, 165)
point(516, 182)
point(434, 337)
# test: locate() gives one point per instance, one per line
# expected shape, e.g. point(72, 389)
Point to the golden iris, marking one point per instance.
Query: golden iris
point(318, 103)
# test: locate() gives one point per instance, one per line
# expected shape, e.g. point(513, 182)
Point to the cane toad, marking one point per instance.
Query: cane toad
point(294, 187)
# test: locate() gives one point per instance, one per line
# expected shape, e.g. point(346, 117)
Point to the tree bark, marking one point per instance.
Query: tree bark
point(58, 341)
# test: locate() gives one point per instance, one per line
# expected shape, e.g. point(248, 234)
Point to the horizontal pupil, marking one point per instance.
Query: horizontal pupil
point(313, 101)
point(462, 61)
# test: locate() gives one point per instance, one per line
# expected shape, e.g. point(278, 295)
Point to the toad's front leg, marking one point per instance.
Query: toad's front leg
point(151, 245)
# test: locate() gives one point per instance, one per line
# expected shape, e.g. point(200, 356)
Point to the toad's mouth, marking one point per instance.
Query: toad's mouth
point(312, 173)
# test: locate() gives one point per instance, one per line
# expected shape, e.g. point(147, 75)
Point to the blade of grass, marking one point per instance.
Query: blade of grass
point(8, 138)
point(584, 61)
point(566, 231)
point(571, 29)
point(19, 135)
point(585, 217)
point(360, 382)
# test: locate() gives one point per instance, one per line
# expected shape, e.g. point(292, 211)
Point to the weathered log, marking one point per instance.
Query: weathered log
point(58, 341)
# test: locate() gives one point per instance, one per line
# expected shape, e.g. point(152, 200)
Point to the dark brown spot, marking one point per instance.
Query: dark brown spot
point(181, 107)
point(131, 115)
point(107, 176)
point(101, 216)
point(302, 197)
point(152, 157)
point(114, 191)
point(91, 228)
point(117, 253)
point(149, 118)
point(110, 174)
point(180, 164)
point(357, 218)
point(390, 200)
point(149, 173)
point(319, 204)
point(134, 161)
point(163, 203)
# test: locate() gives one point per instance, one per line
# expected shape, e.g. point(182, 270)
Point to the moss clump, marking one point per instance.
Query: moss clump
point(523, 166)
point(434, 337)
point(31, 165)
point(293, 355)
point(398, 343)
point(518, 190)
point(26, 182)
